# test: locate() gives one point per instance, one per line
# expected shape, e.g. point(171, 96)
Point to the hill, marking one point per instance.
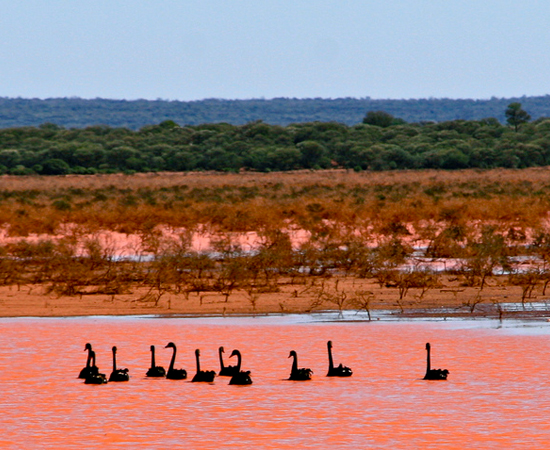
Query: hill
point(134, 114)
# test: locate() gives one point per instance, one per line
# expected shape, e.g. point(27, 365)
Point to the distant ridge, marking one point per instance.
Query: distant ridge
point(134, 114)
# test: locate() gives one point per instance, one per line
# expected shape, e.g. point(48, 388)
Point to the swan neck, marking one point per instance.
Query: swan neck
point(295, 363)
point(238, 362)
point(198, 362)
point(221, 358)
point(330, 361)
point(173, 360)
point(152, 356)
point(114, 361)
point(428, 363)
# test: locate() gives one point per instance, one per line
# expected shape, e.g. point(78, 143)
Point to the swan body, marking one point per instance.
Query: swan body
point(155, 371)
point(298, 374)
point(340, 371)
point(175, 374)
point(226, 371)
point(118, 374)
point(95, 378)
point(240, 377)
point(206, 376)
point(88, 370)
point(434, 374)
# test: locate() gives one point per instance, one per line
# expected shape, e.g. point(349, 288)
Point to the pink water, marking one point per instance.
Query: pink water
point(497, 395)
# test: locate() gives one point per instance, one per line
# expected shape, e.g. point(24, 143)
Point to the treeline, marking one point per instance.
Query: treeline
point(53, 150)
point(135, 114)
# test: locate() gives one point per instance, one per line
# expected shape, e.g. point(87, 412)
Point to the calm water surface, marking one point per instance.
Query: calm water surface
point(497, 395)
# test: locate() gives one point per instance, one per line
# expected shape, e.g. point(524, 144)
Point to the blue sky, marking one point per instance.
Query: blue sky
point(240, 49)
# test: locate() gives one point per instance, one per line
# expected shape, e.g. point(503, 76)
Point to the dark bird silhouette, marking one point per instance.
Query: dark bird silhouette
point(202, 375)
point(340, 371)
point(434, 374)
point(226, 371)
point(95, 378)
point(118, 374)
point(298, 374)
point(88, 370)
point(240, 377)
point(175, 374)
point(155, 371)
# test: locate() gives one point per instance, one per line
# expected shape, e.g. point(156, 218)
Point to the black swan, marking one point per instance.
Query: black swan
point(241, 378)
point(434, 374)
point(340, 371)
point(118, 374)
point(226, 371)
point(88, 370)
point(175, 374)
point(95, 378)
point(202, 375)
point(155, 371)
point(298, 374)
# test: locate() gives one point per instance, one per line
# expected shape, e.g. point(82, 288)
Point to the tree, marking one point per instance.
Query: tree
point(485, 254)
point(55, 167)
point(379, 118)
point(312, 153)
point(516, 116)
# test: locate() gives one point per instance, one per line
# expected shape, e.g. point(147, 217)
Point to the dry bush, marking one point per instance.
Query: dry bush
point(485, 254)
point(528, 281)
point(423, 279)
point(360, 224)
point(390, 201)
point(362, 300)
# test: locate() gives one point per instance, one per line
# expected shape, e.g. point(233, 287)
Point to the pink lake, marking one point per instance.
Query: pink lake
point(497, 394)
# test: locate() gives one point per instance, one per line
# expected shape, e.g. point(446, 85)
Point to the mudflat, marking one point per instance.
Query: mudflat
point(448, 298)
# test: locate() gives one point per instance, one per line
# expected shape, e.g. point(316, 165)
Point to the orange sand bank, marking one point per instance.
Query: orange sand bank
point(315, 295)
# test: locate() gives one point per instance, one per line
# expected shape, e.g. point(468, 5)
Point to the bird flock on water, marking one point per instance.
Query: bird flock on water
point(91, 374)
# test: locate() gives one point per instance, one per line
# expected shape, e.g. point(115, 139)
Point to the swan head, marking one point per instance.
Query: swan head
point(235, 353)
point(221, 350)
point(292, 353)
point(170, 345)
point(152, 348)
point(114, 349)
point(329, 344)
point(428, 345)
point(197, 352)
point(88, 347)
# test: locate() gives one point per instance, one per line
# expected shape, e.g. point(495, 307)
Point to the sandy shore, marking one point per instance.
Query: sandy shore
point(448, 299)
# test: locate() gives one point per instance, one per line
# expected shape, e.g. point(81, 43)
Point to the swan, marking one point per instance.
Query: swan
point(95, 378)
point(298, 374)
point(240, 377)
point(88, 370)
point(434, 374)
point(340, 371)
point(226, 371)
point(175, 374)
point(202, 375)
point(155, 371)
point(118, 374)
